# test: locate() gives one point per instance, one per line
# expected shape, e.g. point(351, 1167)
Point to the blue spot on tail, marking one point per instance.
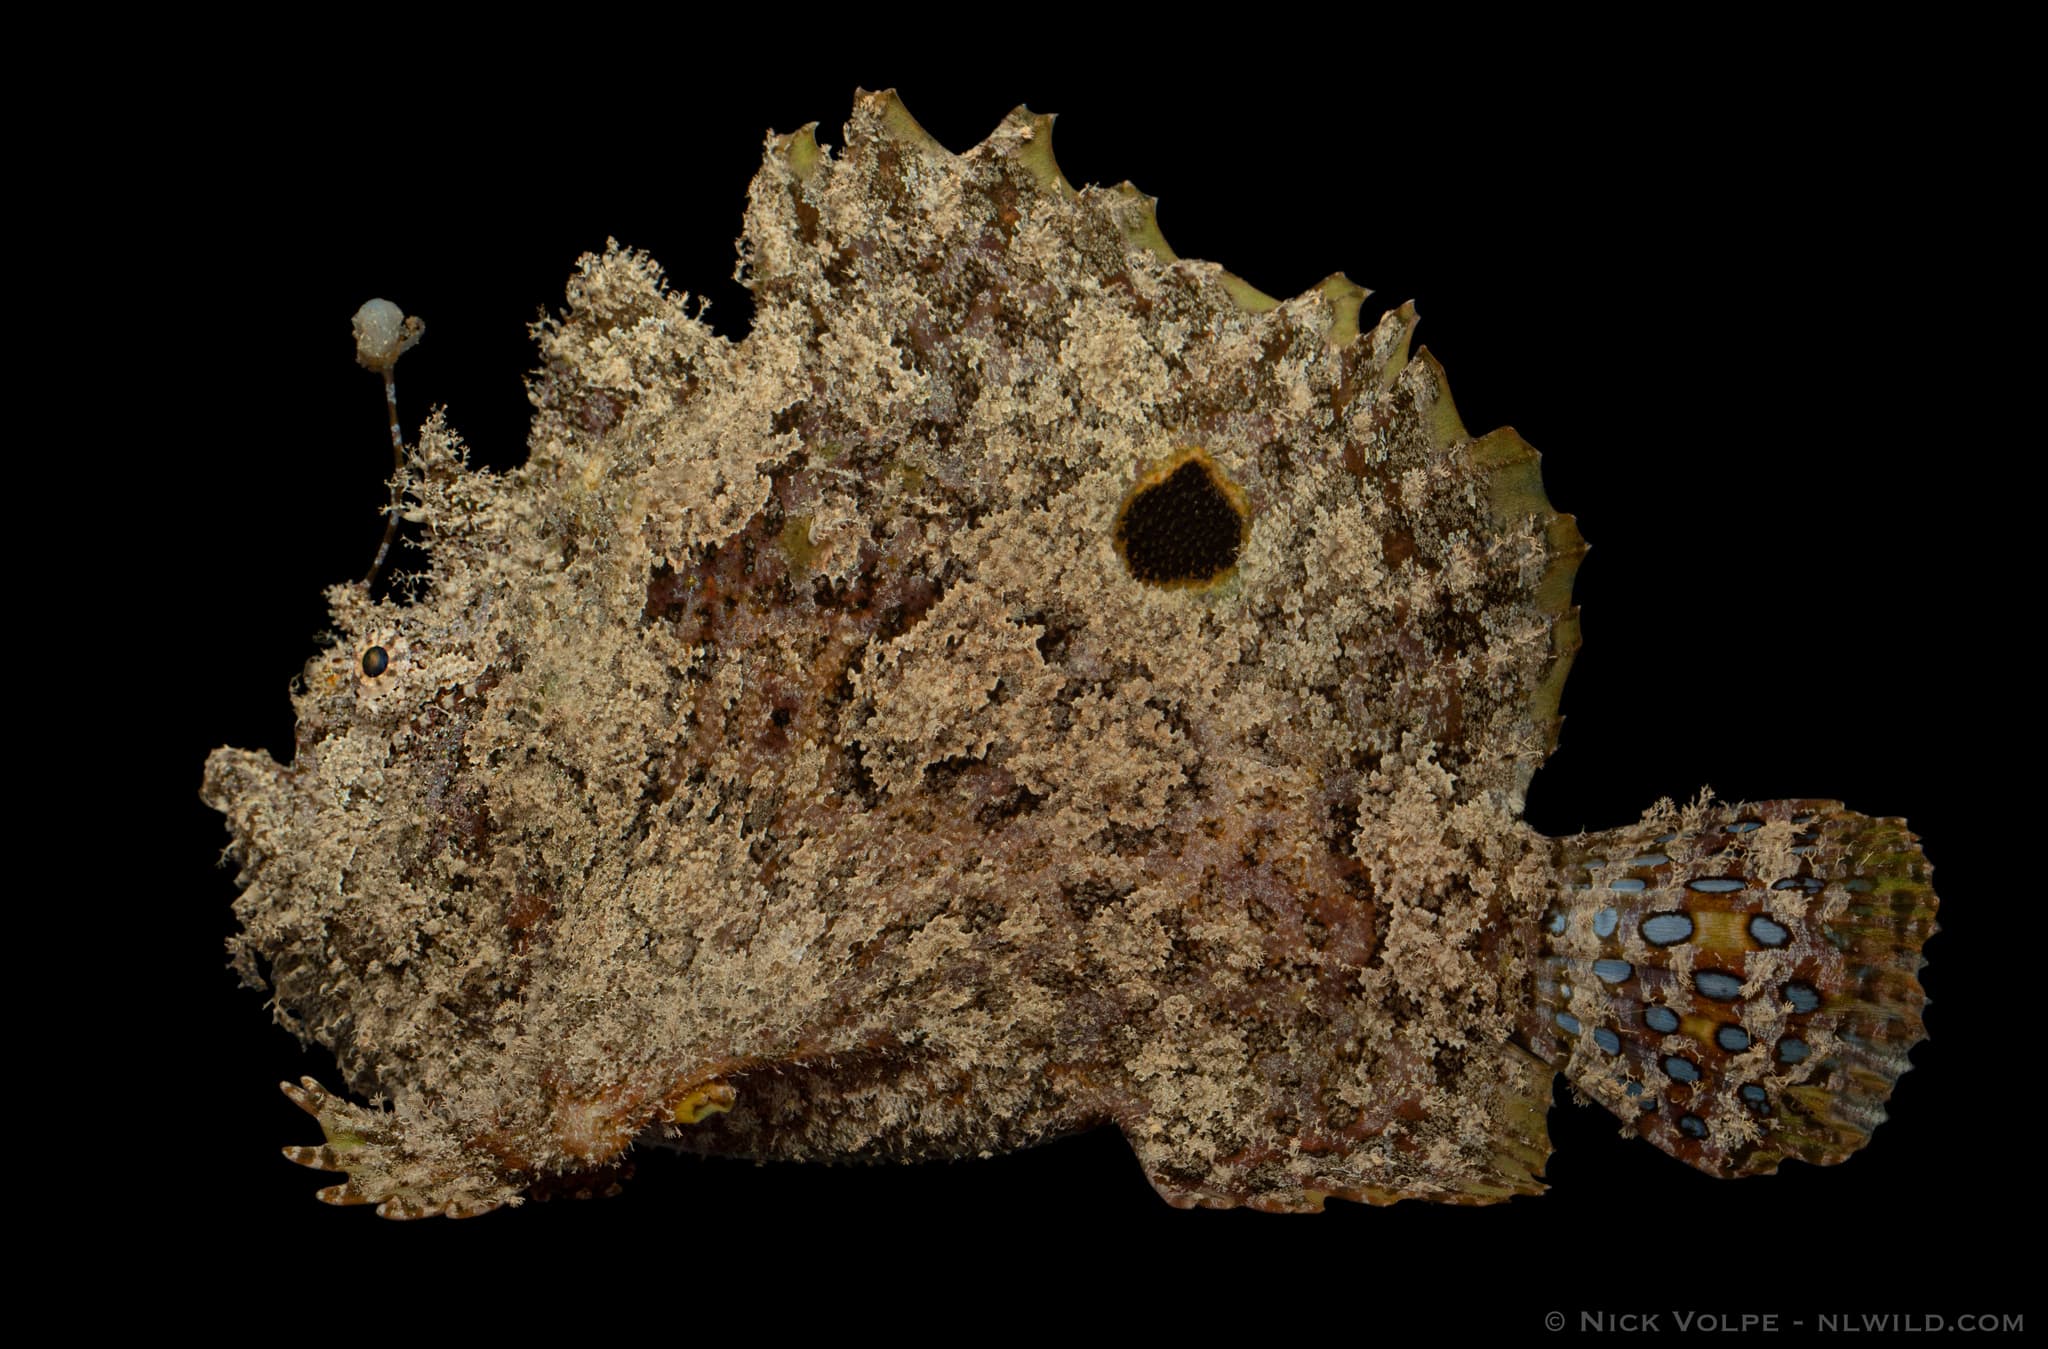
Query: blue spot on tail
point(1721, 987)
point(1613, 971)
point(1734, 1039)
point(1768, 932)
point(1793, 1051)
point(1628, 885)
point(1678, 1070)
point(1661, 1019)
point(1604, 922)
point(1652, 859)
point(1693, 1126)
point(1744, 826)
point(1568, 1021)
point(1665, 928)
point(1803, 997)
point(1716, 885)
point(1557, 923)
point(1607, 1039)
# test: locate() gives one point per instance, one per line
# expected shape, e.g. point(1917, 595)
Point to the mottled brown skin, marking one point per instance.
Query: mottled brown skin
point(786, 759)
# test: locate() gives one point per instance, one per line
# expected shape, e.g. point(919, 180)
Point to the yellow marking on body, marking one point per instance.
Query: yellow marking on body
point(1699, 1028)
point(796, 541)
point(1719, 930)
point(713, 1098)
point(340, 1139)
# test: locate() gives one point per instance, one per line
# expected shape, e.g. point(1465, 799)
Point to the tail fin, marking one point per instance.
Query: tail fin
point(1739, 983)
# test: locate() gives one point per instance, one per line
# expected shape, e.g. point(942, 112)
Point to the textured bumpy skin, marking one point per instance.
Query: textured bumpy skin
point(1032, 681)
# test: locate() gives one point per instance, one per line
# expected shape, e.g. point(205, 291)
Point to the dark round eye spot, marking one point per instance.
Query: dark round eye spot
point(376, 660)
point(1184, 527)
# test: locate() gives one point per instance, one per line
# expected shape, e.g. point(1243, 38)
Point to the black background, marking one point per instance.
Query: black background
point(1717, 285)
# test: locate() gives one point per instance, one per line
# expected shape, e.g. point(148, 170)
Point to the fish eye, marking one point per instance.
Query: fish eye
point(375, 661)
point(1184, 525)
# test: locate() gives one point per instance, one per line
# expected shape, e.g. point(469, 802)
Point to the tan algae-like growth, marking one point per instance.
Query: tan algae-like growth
point(1030, 682)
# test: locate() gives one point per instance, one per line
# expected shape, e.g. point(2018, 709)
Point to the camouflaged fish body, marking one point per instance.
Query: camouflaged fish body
point(1030, 682)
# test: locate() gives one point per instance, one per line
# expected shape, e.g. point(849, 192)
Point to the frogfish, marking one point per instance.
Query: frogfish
point(1031, 682)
